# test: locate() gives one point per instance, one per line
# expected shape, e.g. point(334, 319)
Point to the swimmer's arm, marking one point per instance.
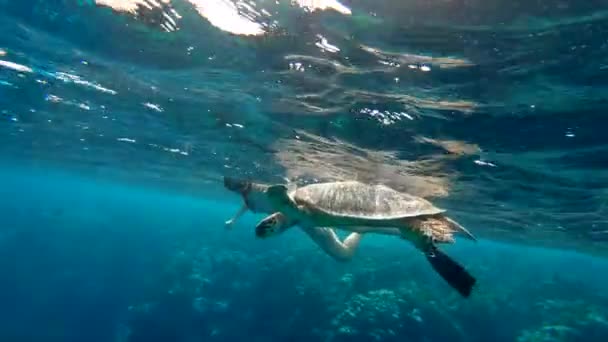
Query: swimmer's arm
point(238, 214)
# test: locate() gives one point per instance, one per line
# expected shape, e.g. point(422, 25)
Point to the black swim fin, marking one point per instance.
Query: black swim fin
point(452, 272)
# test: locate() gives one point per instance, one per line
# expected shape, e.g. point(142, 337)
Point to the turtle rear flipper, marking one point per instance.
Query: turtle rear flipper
point(459, 228)
point(440, 228)
point(451, 271)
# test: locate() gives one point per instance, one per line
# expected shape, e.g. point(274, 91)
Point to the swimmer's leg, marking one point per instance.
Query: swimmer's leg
point(330, 243)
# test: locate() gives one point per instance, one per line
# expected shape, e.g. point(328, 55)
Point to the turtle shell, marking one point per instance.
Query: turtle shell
point(365, 201)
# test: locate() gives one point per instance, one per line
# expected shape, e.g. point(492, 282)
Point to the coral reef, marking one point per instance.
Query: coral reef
point(306, 296)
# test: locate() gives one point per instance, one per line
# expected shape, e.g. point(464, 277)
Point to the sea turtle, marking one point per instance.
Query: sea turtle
point(350, 205)
point(256, 199)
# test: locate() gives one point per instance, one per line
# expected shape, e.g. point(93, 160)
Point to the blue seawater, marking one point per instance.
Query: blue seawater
point(119, 120)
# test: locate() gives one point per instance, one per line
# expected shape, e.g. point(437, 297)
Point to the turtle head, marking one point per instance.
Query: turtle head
point(278, 195)
point(239, 186)
point(272, 225)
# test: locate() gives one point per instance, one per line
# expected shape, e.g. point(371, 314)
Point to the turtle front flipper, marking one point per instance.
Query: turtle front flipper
point(451, 271)
point(272, 225)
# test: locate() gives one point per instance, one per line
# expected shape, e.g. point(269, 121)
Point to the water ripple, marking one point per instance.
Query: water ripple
point(493, 114)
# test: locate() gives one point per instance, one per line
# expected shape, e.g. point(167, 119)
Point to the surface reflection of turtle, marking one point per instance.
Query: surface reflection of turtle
point(157, 14)
point(360, 207)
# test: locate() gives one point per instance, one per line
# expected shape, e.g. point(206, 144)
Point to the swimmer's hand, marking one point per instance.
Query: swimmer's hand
point(229, 224)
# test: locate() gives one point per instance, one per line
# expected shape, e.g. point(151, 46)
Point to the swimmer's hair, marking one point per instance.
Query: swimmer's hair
point(236, 184)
